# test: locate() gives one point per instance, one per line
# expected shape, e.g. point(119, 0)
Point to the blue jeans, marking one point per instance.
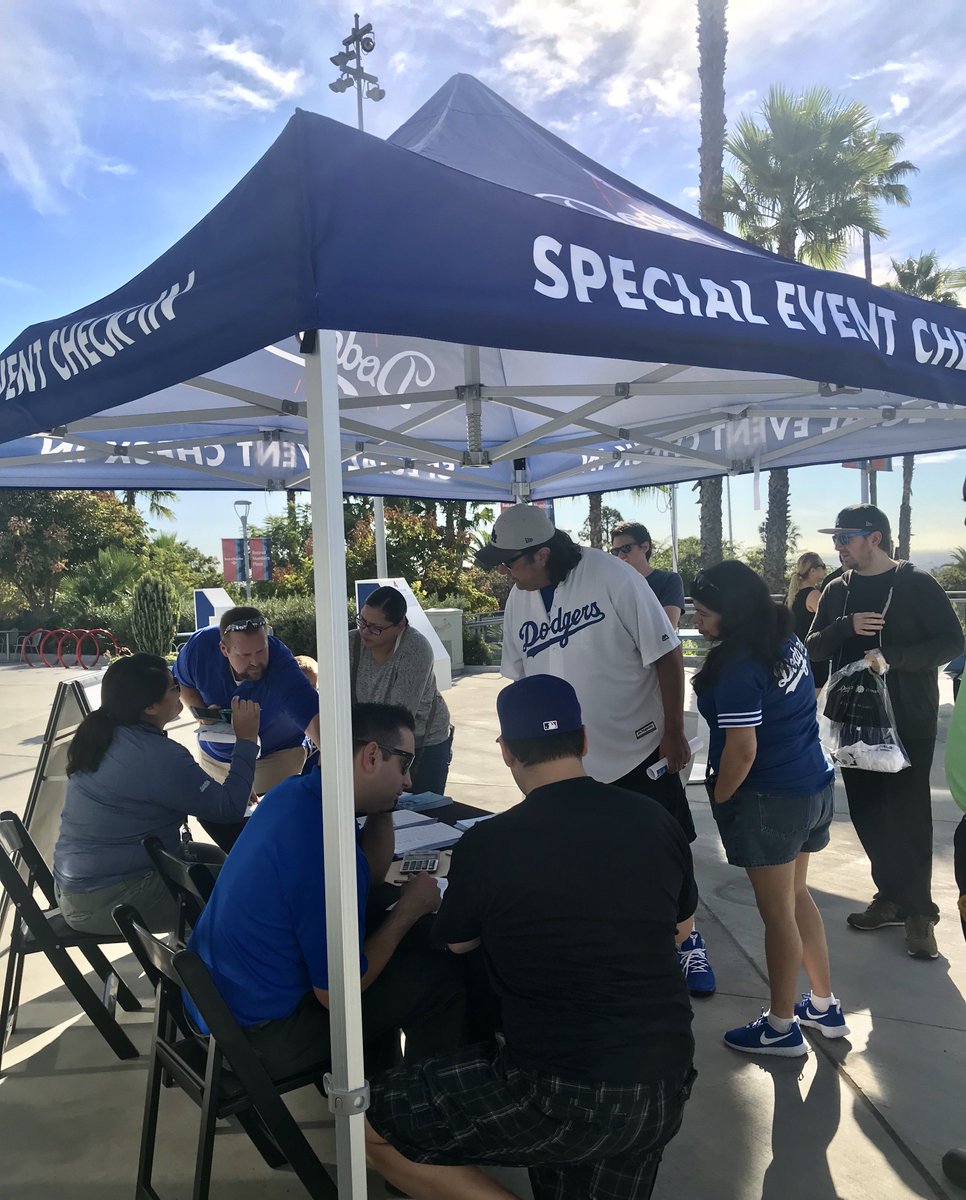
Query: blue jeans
point(765, 829)
point(432, 767)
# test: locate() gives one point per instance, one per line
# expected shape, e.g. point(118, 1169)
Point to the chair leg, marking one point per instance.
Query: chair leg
point(260, 1138)
point(10, 1003)
point(102, 965)
point(291, 1141)
point(206, 1130)
point(90, 1002)
point(149, 1127)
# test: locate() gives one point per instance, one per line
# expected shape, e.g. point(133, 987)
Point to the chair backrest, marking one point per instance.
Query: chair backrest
point(22, 867)
point(176, 969)
point(189, 883)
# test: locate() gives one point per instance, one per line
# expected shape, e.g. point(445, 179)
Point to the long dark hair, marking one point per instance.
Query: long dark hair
point(389, 601)
point(752, 624)
point(130, 685)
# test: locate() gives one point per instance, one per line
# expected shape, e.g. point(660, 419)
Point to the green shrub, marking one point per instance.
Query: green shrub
point(476, 653)
point(154, 614)
point(292, 619)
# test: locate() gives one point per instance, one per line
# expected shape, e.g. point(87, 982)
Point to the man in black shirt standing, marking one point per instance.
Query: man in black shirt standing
point(899, 619)
point(572, 898)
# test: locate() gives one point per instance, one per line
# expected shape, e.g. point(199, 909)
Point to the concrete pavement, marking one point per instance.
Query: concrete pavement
point(867, 1116)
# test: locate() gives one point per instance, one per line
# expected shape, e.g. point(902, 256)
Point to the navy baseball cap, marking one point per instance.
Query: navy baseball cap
point(538, 706)
point(861, 518)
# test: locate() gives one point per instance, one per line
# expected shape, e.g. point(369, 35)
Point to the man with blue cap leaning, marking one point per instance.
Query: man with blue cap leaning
point(572, 897)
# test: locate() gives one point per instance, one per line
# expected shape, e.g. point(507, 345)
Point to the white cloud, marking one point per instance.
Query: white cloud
point(910, 73)
point(17, 285)
point(691, 193)
point(115, 168)
point(899, 103)
point(281, 83)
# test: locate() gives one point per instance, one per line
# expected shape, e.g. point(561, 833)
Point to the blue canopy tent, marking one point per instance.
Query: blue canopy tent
point(511, 300)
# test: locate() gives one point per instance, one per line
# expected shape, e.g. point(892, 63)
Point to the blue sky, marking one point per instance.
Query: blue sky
point(122, 124)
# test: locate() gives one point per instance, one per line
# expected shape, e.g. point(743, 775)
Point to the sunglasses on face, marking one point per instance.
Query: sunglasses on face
point(508, 562)
point(364, 625)
point(242, 626)
point(843, 539)
point(408, 758)
point(625, 549)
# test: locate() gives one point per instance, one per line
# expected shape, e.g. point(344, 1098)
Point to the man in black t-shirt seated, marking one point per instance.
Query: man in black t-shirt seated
point(573, 898)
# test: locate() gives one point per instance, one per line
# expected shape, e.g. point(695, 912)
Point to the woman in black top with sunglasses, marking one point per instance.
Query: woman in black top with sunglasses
point(804, 590)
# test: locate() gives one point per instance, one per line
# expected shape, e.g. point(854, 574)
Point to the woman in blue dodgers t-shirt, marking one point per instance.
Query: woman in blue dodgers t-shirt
point(771, 792)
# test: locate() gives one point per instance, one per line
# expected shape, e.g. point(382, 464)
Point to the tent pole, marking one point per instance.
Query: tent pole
point(731, 530)
point(338, 808)
point(379, 527)
point(674, 527)
point(865, 483)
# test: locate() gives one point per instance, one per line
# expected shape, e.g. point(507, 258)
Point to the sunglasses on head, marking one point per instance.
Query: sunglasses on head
point(407, 756)
point(242, 626)
point(703, 584)
point(843, 539)
point(625, 549)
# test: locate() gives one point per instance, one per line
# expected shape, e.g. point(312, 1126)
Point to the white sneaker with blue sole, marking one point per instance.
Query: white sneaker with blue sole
point(761, 1038)
point(830, 1024)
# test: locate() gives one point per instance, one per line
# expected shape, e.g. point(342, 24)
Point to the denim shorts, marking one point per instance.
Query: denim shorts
point(764, 829)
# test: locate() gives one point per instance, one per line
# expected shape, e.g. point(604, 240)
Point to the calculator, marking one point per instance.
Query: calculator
point(422, 861)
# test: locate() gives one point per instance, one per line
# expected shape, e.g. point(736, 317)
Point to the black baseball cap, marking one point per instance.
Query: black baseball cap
point(538, 706)
point(862, 518)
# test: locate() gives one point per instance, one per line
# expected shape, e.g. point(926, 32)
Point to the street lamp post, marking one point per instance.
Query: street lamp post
point(360, 41)
point(241, 508)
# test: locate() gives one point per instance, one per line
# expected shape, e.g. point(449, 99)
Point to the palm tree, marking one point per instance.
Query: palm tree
point(595, 520)
point(801, 185)
point(806, 180)
point(925, 278)
point(884, 183)
point(157, 501)
point(712, 48)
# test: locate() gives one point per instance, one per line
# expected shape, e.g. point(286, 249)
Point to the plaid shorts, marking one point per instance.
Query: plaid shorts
point(580, 1141)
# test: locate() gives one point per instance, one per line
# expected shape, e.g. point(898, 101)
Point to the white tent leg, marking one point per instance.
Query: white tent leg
point(338, 809)
point(674, 527)
point(379, 528)
point(731, 528)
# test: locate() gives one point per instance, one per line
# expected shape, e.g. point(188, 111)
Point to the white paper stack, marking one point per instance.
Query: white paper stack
point(469, 822)
point(430, 835)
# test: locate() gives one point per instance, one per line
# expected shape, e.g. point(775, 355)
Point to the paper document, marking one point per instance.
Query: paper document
point(469, 822)
point(402, 818)
point(419, 801)
point(433, 835)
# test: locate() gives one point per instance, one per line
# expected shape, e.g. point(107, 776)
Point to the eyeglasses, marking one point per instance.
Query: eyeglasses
point(363, 624)
point(241, 626)
point(508, 562)
point(408, 758)
point(625, 549)
point(843, 539)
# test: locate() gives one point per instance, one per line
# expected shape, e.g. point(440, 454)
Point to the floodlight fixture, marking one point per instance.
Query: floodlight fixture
point(341, 60)
point(375, 93)
point(368, 43)
point(341, 85)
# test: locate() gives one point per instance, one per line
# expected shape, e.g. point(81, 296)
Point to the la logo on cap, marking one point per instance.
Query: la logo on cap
point(549, 726)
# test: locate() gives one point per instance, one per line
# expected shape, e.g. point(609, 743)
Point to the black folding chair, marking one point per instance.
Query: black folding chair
point(42, 930)
point(221, 1072)
point(189, 883)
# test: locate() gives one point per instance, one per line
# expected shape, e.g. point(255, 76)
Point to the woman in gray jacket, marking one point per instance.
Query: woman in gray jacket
point(126, 780)
point(392, 663)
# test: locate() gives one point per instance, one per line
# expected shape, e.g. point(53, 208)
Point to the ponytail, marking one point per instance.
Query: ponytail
point(130, 686)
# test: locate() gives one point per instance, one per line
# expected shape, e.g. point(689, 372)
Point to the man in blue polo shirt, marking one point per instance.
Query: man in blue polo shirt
point(242, 658)
point(262, 934)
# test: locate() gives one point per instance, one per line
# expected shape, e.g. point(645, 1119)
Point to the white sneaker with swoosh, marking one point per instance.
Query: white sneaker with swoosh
point(762, 1038)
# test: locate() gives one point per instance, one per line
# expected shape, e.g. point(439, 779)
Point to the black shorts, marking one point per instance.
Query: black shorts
point(668, 791)
point(578, 1139)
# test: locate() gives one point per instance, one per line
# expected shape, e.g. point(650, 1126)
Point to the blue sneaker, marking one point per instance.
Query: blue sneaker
point(693, 957)
point(831, 1024)
point(760, 1038)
